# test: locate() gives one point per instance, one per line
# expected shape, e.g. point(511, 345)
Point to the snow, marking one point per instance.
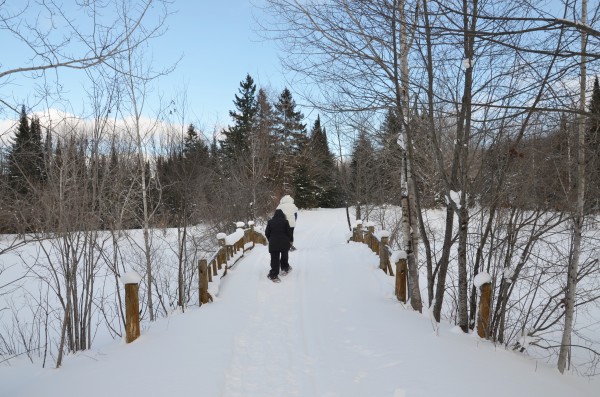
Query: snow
point(331, 328)
point(454, 197)
point(240, 225)
point(250, 223)
point(383, 233)
point(508, 274)
point(482, 278)
point(400, 141)
point(467, 63)
point(131, 278)
point(221, 236)
point(397, 255)
point(234, 237)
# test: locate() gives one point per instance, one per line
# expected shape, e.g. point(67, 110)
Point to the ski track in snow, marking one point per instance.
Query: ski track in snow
point(306, 336)
point(288, 346)
point(277, 351)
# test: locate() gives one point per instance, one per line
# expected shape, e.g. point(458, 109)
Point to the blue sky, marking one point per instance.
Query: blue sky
point(218, 43)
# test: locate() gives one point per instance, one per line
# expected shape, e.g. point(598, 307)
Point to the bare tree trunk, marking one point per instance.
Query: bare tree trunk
point(578, 219)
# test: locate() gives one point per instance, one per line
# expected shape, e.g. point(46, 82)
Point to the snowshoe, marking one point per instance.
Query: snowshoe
point(286, 272)
point(274, 279)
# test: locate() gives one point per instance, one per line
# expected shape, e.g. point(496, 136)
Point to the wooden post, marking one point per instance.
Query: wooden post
point(383, 254)
point(214, 266)
point(203, 281)
point(132, 307)
point(359, 236)
point(483, 319)
point(221, 254)
point(401, 280)
point(252, 234)
point(370, 237)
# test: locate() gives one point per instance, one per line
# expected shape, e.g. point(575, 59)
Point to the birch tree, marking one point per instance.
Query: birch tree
point(578, 217)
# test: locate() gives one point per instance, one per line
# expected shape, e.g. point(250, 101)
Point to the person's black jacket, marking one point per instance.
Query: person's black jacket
point(279, 233)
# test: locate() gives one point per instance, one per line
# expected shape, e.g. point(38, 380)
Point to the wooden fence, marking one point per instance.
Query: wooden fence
point(231, 249)
point(378, 243)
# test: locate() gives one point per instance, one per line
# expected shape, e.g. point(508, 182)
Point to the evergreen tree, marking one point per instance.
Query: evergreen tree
point(362, 171)
point(290, 139)
point(304, 188)
point(26, 157)
point(237, 137)
point(325, 174)
point(194, 148)
point(263, 157)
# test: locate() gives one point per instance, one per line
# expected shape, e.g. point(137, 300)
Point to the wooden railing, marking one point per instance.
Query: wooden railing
point(231, 249)
point(378, 243)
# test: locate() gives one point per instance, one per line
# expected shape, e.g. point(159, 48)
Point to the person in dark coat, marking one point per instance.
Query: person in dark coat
point(280, 237)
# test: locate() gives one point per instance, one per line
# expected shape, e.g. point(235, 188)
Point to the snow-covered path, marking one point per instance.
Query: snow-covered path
point(332, 327)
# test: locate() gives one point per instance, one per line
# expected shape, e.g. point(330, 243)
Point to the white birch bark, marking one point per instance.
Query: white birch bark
point(565, 345)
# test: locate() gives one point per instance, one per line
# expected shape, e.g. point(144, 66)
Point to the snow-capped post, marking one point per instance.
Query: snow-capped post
point(399, 258)
point(131, 281)
point(203, 281)
point(214, 266)
point(483, 281)
point(222, 249)
point(370, 233)
point(359, 236)
point(239, 245)
point(383, 251)
point(252, 233)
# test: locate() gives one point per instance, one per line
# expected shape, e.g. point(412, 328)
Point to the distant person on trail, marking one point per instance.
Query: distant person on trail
point(286, 204)
point(279, 234)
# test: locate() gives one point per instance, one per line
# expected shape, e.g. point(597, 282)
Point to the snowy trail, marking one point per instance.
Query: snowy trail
point(331, 328)
point(278, 350)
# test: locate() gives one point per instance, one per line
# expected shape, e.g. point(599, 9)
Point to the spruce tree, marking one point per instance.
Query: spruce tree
point(237, 137)
point(290, 139)
point(362, 171)
point(26, 157)
point(324, 171)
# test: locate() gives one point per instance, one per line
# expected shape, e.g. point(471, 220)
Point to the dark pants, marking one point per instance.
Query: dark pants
point(278, 259)
point(292, 229)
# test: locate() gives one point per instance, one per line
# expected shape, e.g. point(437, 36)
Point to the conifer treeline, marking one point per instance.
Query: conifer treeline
point(80, 182)
point(77, 182)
